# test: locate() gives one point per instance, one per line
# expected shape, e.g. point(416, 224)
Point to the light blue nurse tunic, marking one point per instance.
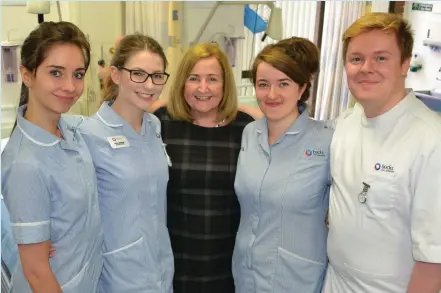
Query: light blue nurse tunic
point(132, 177)
point(283, 191)
point(9, 249)
point(49, 187)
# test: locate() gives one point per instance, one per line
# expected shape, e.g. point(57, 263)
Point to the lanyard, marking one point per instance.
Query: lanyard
point(363, 195)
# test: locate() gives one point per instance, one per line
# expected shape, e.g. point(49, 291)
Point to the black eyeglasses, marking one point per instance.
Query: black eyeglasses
point(140, 76)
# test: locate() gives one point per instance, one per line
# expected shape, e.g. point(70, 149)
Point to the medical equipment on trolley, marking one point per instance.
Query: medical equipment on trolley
point(10, 60)
point(274, 29)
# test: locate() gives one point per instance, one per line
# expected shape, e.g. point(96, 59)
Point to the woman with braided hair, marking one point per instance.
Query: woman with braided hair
point(282, 178)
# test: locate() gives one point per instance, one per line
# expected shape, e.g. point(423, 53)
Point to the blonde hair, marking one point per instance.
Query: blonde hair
point(178, 108)
point(385, 22)
point(127, 47)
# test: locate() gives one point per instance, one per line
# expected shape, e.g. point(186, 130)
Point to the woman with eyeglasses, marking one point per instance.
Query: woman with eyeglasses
point(132, 172)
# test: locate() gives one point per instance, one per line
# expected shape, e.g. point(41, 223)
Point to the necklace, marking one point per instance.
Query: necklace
point(217, 125)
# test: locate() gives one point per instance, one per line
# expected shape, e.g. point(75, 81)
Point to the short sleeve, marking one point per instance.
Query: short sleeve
point(27, 199)
point(156, 123)
point(245, 134)
point(9, 248)
point(426, 208)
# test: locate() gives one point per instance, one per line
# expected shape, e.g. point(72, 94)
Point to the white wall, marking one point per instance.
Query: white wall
point(424, 79)
point(227, 19)
point(380, 6)
point(16, 24)
point(100, 21)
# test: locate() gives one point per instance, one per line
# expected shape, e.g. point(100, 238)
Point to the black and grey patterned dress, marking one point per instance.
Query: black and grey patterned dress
point(203, 210)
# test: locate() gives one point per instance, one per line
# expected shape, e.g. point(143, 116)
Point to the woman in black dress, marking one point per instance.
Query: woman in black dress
point(202, 129)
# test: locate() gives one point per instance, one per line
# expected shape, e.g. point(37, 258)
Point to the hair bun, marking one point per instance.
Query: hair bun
point(303, 51)
point(298, 58)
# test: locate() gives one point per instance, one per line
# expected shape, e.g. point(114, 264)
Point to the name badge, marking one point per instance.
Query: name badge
point(117, 142)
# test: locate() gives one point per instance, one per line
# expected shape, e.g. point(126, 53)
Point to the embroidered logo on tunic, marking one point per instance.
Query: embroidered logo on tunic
point(384, 168)
point(311, 152)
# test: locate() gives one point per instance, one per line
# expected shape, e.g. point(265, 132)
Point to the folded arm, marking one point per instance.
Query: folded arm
point(29, 206)
point(252, 111)
point(156, 106)
point(36, 268)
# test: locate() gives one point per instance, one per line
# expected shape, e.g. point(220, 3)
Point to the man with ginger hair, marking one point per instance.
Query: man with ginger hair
point(385, 203)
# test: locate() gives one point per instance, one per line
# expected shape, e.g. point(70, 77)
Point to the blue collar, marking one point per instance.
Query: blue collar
point(42, 137)
point(298, 126)
point(110, 118)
